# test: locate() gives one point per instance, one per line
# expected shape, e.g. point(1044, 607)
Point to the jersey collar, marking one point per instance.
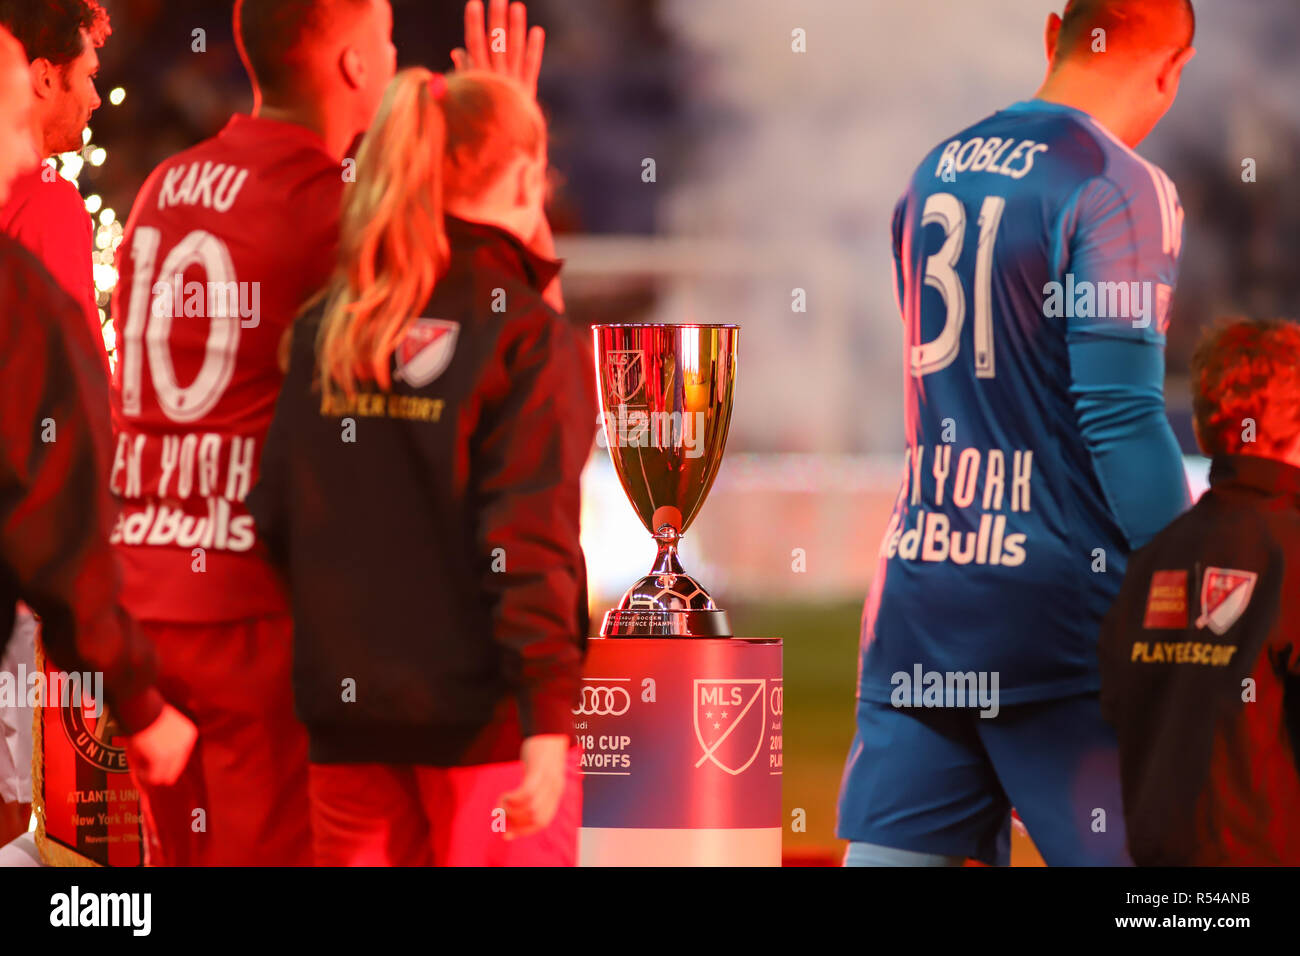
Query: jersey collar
point(241, 125)
point(538, 269)
point(1046, 106)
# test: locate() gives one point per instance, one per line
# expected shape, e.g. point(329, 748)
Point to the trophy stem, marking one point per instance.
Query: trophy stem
point(667, 602)
point(666, 561)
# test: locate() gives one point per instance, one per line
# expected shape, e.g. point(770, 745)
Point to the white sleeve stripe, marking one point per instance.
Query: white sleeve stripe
point(1166, 213)
point(1176, 223)
point(1166, 196)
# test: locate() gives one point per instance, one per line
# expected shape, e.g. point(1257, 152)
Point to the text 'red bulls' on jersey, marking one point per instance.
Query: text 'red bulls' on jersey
point(224, 245)
point(1035, 259)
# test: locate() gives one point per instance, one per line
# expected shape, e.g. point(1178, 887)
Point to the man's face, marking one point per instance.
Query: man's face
point(18, 148)
point(72, 101)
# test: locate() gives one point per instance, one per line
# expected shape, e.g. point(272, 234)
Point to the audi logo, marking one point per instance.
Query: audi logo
point(777, 700)
point(603, 702)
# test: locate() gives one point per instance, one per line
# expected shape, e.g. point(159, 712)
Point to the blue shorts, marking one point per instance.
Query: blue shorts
point(943, 781)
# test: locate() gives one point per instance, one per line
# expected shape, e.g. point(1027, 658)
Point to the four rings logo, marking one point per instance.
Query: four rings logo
point(599, 701)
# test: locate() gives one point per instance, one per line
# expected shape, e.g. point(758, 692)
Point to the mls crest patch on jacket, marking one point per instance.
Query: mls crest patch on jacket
point(1200, 676)
point(1035, 259)
point(1225, 593)
point(426, 351)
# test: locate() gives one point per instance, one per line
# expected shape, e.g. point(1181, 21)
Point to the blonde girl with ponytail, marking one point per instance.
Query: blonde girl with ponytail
point(421, 487)
point(472, 144)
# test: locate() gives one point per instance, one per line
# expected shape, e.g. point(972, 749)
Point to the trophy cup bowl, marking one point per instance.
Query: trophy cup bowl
point(666, 394)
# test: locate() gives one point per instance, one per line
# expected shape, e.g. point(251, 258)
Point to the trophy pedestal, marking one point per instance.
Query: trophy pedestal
point(682, 756)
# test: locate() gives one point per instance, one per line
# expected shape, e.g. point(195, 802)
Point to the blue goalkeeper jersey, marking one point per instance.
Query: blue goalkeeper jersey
point(1035, 257)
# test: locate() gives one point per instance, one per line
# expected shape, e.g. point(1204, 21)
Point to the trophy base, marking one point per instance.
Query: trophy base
point(647, 622)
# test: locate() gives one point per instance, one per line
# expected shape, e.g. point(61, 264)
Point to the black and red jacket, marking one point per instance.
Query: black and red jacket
point(55, 509)
point(430, 533)
point(1200, 676)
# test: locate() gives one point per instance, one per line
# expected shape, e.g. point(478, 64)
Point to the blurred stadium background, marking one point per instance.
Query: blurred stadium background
point(775, 171)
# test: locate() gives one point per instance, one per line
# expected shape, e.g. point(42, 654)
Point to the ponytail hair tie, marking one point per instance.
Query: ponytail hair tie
point(437, 86)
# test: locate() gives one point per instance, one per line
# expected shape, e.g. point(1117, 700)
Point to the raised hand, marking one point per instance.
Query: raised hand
point(519, 56)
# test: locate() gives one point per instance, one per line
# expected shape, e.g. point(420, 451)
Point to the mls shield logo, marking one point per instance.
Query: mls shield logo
point(426, 351)
point(729, 719)
point(624, 375)
point(1224, 596)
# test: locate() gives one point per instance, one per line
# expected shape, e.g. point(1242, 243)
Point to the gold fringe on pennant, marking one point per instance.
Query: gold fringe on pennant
point(53, 852)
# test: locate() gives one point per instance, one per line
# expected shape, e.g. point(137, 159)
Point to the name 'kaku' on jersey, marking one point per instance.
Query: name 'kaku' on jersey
point(211, 274)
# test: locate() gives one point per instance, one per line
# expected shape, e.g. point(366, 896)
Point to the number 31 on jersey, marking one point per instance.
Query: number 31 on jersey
point(947, 211)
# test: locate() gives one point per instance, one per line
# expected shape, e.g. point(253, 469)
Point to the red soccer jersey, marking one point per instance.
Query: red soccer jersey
point(48, 216)
point(224, 245)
